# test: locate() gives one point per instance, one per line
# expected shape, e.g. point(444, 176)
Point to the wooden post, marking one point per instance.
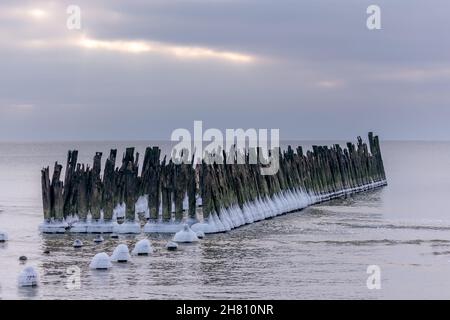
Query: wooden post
point(46, 193)
point(109, 186)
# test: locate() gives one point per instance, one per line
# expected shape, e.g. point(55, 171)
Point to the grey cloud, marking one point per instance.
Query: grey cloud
point(307, 47)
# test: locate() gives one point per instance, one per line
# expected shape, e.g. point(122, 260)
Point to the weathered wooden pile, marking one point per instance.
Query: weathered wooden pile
point(173, 189)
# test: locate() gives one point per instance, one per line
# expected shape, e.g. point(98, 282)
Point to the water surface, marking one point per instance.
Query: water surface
point(320, 252)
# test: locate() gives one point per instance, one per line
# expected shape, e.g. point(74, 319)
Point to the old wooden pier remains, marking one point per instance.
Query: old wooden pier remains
point(212, 198)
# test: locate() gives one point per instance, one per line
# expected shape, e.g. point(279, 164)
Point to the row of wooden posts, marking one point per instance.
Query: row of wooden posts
point(85, 189)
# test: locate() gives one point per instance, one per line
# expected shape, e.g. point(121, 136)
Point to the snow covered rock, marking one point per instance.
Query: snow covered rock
point(100, 261)
point(29, 277)
point(142, 248)
point(121, 254)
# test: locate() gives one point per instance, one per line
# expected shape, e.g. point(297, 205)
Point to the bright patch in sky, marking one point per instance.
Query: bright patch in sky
point(155, 47)
point(37, 13)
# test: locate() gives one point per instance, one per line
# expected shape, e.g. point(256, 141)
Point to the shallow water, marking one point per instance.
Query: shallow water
point(320, 252)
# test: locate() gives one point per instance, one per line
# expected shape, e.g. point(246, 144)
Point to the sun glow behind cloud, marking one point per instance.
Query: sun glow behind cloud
point(182, 52)
point(37, 13)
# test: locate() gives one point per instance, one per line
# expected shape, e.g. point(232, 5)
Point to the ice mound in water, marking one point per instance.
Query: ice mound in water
point(29, 277)
point(3, 236)
point(77, 243)
point(142, 248)
point(100, 261)
point(121, 253)
point(185, 235)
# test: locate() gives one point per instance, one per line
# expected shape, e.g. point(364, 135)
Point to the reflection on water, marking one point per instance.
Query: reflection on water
point(320, 252)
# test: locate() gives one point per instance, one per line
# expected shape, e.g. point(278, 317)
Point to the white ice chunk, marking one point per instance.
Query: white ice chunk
point(141, 206)
point(142, 248)
point(101, 261)
point(119, 211)
point(185, 235)
point(29, 277)
point(121, 253)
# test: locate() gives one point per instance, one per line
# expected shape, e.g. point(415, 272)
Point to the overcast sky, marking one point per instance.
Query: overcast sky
point(139, 69)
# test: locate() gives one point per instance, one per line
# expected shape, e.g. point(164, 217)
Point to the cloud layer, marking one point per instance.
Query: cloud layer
point(139, 69)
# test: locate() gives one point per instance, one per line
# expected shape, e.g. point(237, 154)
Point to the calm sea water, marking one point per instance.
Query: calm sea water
point(320, 252)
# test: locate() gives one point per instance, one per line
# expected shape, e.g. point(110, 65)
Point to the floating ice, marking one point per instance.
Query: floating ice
point(29, 277)
point(185, 235)
point(172, 246)
point(100, 261)
point(121, 254)
point(3, 236)
point(99, 239)
point(77, 243)
point(142, 248)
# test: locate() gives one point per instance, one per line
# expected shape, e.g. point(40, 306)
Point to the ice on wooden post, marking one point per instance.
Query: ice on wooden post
point(224, 192)
point(185, 235)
